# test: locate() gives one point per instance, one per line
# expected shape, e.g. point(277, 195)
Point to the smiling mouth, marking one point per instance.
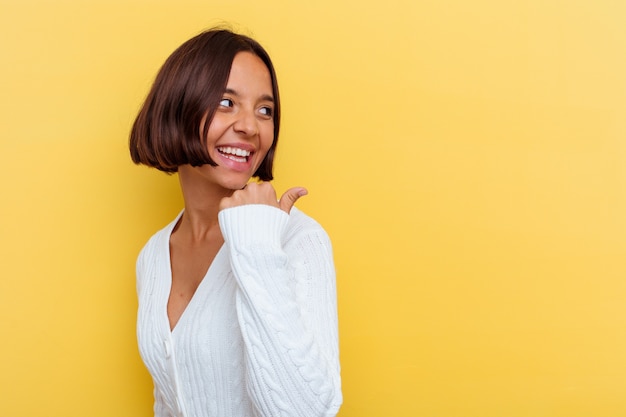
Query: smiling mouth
point(235, 154)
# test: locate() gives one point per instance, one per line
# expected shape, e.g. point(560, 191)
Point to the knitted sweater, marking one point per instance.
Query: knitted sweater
point(259, 337)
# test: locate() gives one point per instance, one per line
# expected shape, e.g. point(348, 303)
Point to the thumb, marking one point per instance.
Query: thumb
point(289, 198)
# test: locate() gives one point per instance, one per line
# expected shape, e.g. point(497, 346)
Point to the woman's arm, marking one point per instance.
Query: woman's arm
point(286, 303)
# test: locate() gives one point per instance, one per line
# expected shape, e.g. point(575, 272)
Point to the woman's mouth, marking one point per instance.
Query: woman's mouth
point(234, 154)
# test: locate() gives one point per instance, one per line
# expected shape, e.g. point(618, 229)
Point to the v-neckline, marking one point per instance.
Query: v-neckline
point(202, 284)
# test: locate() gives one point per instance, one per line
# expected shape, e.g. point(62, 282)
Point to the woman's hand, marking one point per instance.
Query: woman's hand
point(263, 193)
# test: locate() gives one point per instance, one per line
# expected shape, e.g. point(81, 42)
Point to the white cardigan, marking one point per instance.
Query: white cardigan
point(259, 337)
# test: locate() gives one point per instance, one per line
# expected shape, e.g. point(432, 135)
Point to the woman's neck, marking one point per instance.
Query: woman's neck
point(202, 201)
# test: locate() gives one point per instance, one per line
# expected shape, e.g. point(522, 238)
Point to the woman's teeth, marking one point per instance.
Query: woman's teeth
point(236, 154)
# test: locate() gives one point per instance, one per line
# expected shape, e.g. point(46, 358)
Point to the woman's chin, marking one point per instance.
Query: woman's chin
point(235, 185)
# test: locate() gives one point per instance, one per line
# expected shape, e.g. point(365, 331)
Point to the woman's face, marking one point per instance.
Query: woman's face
point(242, 129)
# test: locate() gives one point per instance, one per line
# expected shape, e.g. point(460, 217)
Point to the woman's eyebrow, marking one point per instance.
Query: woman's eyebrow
point(231, 91)
point(267, 97)
point(264, 97)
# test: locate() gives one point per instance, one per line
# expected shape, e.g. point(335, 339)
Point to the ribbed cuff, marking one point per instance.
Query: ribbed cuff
point(253, 224)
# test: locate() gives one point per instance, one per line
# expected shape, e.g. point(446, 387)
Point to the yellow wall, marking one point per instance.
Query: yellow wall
point(468, 159)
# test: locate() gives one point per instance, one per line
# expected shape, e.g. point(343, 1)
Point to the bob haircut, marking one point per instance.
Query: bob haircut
point(187, 91)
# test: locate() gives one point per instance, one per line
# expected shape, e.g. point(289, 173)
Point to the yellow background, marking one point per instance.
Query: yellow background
point(468, 159)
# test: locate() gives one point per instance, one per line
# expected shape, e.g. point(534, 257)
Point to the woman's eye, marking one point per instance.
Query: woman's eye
point(226, 102)
point(266, 111)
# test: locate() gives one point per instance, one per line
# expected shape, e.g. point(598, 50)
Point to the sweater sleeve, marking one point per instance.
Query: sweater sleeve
point(286, 306)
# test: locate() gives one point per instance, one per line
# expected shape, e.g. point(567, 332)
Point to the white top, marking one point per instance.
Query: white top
point(259, 337)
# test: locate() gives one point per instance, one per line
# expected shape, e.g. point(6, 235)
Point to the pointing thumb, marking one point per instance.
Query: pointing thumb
point(289, 198)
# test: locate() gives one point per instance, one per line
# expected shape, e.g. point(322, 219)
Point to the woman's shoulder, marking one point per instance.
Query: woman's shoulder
point(160, 239)
point(300, 224)
point(298, 218)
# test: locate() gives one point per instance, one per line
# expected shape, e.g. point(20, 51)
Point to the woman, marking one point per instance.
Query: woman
point(237, 311)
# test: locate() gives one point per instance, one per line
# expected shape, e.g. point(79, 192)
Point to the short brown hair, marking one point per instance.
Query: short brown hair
point(187, 91)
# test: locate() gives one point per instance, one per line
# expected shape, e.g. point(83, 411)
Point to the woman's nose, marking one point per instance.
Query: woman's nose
point(246, 123)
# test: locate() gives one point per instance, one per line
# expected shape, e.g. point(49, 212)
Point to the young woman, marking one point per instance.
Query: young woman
point(237, 307)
